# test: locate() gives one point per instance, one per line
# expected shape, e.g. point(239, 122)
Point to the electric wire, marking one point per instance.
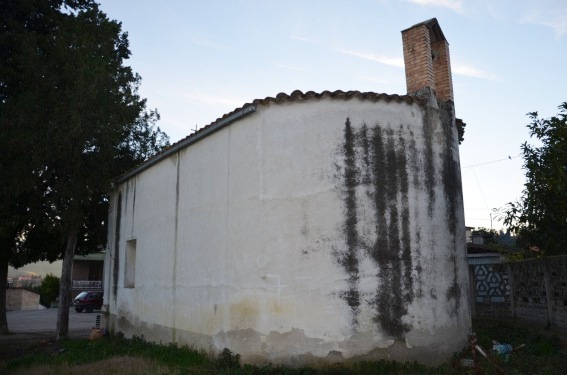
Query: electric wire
point(490, 162)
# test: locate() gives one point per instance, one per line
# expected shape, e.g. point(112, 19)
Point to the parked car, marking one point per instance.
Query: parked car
point(88, 301)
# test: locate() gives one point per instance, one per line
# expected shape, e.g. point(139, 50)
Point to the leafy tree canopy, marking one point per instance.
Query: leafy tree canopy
point(539, 217)
point(71, 120)
point(490, 236)
point(49, 290)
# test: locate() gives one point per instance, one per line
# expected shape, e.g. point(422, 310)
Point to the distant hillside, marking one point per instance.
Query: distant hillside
point(39, 268)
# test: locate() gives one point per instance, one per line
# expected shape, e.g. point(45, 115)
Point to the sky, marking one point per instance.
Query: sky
point(201, 59)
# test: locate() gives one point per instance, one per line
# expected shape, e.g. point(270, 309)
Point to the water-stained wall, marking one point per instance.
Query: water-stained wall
point(394, 176)
point(319, 227)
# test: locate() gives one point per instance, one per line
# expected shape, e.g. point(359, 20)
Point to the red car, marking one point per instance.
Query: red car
point(88, 301)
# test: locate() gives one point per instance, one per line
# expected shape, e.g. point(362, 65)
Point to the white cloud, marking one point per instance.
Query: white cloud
point(301, 38)
point(289, 67)
point(553, 16)
point(209, 44)
point(470, 71)
point(454, 5)
point(464, 70)
point(213, 100)
point(393, 61)
point(372, 79)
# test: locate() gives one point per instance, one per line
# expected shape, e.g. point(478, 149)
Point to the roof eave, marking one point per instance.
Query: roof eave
point(188, 141)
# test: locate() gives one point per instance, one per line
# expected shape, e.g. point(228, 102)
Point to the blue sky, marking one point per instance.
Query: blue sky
point(201, 59)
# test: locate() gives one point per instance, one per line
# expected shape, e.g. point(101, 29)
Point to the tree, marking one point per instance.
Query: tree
point(539, 217)
point(490, 236)
point(49, 290)
point(71, 120)
point(24, 40)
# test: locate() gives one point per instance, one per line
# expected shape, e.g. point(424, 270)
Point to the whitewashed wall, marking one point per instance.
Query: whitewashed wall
point(246, 238)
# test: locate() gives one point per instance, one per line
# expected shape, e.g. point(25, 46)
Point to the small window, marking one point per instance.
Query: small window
point(130, 269)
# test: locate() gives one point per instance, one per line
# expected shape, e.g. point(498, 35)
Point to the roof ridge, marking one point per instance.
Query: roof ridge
point(298, 95)
point(295, 96)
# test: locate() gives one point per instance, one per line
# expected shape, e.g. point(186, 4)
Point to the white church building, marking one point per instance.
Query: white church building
point(303, 227)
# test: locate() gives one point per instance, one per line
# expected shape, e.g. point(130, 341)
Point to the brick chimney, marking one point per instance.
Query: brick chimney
point(427, 61)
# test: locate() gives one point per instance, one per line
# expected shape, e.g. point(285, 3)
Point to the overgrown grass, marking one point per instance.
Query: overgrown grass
point(543, 354)
point(81, 352)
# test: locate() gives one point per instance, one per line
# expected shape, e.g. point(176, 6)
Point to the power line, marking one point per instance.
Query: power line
point(480, 189)
point(490, 162)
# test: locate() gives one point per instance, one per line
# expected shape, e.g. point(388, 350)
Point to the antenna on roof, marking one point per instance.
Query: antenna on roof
point(196, 128)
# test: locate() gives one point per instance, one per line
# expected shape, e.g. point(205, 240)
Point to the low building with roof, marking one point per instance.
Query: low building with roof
point(18, 299)
point(303, 227)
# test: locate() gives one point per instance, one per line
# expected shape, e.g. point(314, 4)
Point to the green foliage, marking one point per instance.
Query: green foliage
point(228, 360)
point(24, 42)
point(49, 290)
point(490, 236)
point(542, 354)
point(539, 217)
point(78, 352)
point(71, 120)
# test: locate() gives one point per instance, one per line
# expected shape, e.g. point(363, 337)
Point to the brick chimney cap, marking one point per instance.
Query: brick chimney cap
point(435, 31)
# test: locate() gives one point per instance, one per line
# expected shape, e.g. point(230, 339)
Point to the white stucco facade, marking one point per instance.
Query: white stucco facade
point(316, 226)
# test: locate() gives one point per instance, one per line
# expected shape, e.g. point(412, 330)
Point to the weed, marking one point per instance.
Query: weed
point(542, 355)
point(227, 360)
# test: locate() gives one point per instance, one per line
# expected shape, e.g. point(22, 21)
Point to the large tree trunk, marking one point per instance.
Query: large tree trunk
point(65, 287)
point(3, 284)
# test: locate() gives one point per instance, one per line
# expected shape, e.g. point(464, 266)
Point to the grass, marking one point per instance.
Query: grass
point(75, 353)
point(543, 354)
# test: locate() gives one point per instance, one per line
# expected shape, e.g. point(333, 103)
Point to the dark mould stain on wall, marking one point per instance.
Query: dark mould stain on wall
point(379, 166)
point(376, 160)
point(428, 161)
point(116, 250)
point(348, 259)
point(390, 250)
point(451, 179)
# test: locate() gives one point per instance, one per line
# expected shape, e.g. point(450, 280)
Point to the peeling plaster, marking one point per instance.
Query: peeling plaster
point(294, 347)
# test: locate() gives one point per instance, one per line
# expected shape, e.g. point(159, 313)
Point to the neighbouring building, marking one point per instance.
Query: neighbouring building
point(468, 234)
point(87, 273)
point(21, 299)
point(303, 227)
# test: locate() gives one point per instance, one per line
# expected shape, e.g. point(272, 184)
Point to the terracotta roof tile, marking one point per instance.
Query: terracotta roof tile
point(297, 96)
